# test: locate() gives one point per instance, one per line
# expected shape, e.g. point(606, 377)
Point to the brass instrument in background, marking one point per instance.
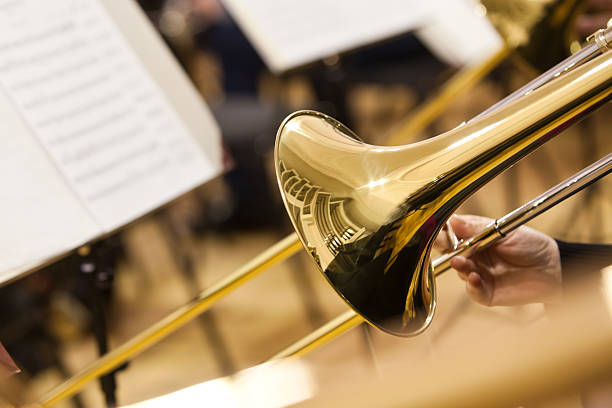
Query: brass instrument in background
point(537, 33)
point(542, 32)
point(368, 215)
point(373, 219)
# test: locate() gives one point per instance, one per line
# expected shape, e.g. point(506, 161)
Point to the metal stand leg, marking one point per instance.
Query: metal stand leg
point(97, 264)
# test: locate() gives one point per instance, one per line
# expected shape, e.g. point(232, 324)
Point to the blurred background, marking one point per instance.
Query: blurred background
point(48, 318)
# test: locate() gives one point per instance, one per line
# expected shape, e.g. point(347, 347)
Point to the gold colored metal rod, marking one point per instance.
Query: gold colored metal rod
point(322, 335)
point(489, 235)
point(460, 82)
point(326, 333)
point(537, 364)
point(183, 315)
point(502, 226)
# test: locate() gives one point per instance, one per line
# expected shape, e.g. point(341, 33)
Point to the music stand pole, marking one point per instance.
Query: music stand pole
point(99, 271)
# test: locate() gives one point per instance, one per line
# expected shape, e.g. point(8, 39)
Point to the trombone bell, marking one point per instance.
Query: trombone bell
point(368, 215)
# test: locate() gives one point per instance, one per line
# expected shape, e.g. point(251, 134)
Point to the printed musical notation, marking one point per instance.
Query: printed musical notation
point(98, 126)
point(95, 110)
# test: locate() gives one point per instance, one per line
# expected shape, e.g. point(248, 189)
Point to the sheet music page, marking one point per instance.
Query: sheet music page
point(94, 108)
point(290, 33)
point(89, 136)
point(460, 33)
point(162, 66)
point(40, 216)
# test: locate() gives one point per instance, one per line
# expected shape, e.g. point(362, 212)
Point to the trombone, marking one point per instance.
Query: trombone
point(514, 21)
point(368, 215)
point(496, 230)
point(449, 168)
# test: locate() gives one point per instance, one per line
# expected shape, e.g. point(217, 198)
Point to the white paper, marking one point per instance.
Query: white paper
point(40, 216)
point(95, 110)
point(89, 137)
point(275, 384)
point(459, 33)
point(290, 33)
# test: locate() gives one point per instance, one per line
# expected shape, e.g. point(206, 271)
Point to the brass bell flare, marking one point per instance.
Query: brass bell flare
point(348, 215)
point(368, 215)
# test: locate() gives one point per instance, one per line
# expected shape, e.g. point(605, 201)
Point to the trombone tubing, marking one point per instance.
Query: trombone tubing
point(175, 320)
point(329, 331)
point(285, 248)
point(469, 76)
point(496, 230)
point(461, 81)
point(278, 252)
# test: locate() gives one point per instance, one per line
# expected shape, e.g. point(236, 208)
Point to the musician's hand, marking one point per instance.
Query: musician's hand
point(523, 267)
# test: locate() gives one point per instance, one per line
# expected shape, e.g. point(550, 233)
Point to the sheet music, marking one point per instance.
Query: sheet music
point(94, 108)
point(98, 125)
point(40, 216)
point(289, 33)
point(459, 33)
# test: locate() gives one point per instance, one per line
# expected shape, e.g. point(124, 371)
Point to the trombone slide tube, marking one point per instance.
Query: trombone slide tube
point(496, 230)
point(174, 321)
point(329, 331)
point(504, 225)
point(597, 43)
point(564, 66)
point(370, 214)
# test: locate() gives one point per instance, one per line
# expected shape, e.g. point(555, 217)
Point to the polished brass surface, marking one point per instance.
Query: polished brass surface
point(329, 331)
point(368, 215)
point(317, 207)
point(498, 229)
point(602, 37)
point(550, 37)
point(514, 20)
point(541, 31)
point(538, 31)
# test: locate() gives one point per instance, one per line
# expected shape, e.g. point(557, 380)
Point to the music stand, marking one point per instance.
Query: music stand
point(102, 127)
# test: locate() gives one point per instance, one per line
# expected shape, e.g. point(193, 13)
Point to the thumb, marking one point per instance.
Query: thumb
point(466, 226)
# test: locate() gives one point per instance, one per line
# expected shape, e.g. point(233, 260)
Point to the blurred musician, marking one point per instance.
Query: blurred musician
point(528, 266)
